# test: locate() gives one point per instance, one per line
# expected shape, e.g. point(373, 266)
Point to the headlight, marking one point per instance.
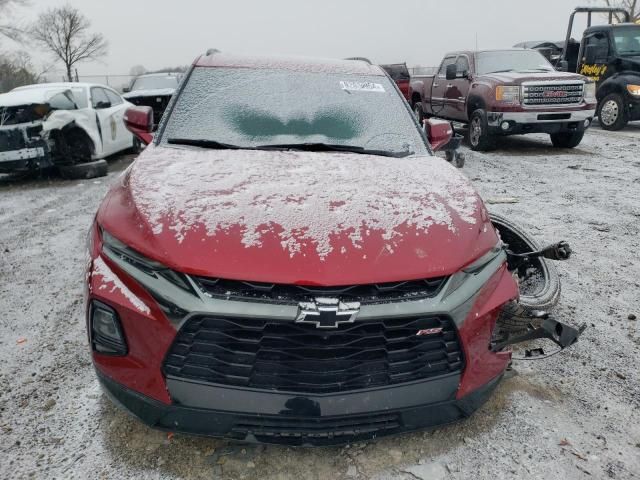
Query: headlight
point(590, 92)
point(508, 94)
point(118, 252)
point(172, 290)
point(634, 90)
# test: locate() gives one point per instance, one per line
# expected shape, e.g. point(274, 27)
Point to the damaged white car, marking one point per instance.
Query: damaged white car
point(68, 126)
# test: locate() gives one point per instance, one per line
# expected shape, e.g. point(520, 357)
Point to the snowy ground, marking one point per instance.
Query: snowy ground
point(573, 416)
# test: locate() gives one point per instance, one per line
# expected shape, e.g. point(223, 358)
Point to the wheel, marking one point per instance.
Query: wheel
point(87, 170)
point(612, 112)
point(539, 282)
point(417, 111)
point(137, 146)
point(456, 158)
point(479, 138)
point(566, 139)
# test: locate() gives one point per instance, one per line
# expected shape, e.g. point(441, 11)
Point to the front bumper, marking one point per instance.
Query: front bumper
point(23, 159)
point(536, 121)
point(472, 298)
point(277, 418)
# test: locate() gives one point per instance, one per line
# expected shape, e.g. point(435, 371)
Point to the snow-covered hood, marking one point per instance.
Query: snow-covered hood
point(32, 96)
point(157, 92)
point(518, 78)
point(298, 217)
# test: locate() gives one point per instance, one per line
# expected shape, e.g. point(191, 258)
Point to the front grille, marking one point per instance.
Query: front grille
point(272, 429)
point(287, 356)
point(294, 294)
point(11, 139)
point(553, 94)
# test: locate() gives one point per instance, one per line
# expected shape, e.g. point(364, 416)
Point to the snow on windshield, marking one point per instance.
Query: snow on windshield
point(251, 108)
point(306, 199)
point(155, 83)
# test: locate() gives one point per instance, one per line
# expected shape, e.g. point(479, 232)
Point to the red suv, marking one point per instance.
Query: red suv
point(287, 262)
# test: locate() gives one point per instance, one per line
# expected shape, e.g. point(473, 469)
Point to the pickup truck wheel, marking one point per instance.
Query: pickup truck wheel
point(83, 171)
point(417, 111)
point(566, 139)
point(612, 112)
point(479, 138)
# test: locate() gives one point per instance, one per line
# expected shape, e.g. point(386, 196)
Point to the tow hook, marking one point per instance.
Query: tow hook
point(562, 335)
point(560, 251)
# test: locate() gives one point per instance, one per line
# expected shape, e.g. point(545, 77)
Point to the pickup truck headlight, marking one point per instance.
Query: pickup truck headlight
point(590, 92)
point(634, 90)
point(508, 94)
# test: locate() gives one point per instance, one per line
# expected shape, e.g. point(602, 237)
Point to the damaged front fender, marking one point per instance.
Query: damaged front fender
point(60, 119)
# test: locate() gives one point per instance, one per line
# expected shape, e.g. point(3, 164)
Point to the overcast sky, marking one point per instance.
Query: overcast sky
point(163, 33)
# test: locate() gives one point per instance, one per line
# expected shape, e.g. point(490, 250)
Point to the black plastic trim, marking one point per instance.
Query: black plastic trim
point(300, 424)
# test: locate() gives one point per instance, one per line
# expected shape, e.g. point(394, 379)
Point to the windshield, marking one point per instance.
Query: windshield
point(258, 108)
point(627, 40)
point(511, 61)
point(155, 83)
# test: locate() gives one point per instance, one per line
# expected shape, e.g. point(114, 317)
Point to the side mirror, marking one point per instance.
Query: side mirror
point(452, 71)
point(126, 89)
point(563, 66)
point(139, 121)
point(439, 133)
point(589, 55)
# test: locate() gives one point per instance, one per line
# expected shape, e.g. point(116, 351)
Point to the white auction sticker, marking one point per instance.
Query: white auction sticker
point(362, 87)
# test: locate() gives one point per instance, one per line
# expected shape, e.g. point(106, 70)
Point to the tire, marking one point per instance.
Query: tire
point(566, 139)
point(83, 171)
point(539, 290)
point(419, 114)
point(480, 140)
point(455, 158)
point(612, 112)
point(137, 146)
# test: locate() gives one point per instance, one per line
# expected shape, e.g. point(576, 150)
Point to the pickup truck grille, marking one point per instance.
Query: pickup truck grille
point(552, 94)
point(287, 356)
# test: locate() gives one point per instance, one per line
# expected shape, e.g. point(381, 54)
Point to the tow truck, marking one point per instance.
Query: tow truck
point(608, 54)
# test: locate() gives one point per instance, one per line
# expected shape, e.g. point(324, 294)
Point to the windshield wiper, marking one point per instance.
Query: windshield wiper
point(502, 71)
point(194, 142)
point(327, 147)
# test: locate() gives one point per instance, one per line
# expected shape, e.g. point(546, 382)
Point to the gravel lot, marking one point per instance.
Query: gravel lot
point(573, 416)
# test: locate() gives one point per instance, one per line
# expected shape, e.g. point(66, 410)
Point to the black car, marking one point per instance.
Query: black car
point(153, 90)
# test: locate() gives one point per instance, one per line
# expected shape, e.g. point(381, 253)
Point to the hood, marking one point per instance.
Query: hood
point(517, 78)
point(157, 92)
point(31, 96)
point(304, 218)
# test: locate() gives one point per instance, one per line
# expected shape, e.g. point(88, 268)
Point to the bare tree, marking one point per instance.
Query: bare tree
point(16, 70)
point(632, 6)
point(10, 30)
point(64, 31)
point(137, 70)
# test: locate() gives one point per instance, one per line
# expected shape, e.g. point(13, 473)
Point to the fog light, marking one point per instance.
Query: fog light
point(505, 126)
point(106, 333)
point(587, 122)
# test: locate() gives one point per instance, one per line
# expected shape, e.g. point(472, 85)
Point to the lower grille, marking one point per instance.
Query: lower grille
point(271, 429)
point(553, 94)
point(287, 356)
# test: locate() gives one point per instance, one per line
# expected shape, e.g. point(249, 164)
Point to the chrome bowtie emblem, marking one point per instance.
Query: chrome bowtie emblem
point(327, 312)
